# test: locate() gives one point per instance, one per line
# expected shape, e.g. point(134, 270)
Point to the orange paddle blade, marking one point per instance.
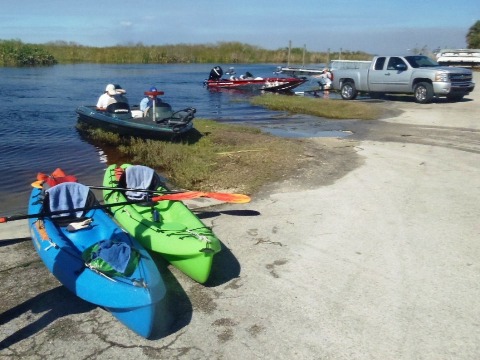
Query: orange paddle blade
point(231, 198)
point(38, 184)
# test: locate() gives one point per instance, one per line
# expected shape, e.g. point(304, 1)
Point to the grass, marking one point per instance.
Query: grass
point(215, 157)
point(326, 108)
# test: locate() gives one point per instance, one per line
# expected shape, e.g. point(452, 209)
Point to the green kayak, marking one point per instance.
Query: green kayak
point(167, 227)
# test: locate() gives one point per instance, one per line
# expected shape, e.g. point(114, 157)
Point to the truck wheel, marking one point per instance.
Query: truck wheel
point(423, 92)
point(348, 91)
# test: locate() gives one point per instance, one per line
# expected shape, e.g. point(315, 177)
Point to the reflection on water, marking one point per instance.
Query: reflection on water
point(38, 134)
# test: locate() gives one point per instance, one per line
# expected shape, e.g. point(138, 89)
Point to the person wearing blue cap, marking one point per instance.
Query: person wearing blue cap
point(147, 102)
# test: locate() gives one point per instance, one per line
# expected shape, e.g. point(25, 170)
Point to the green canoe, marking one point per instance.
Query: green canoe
point(167, 227)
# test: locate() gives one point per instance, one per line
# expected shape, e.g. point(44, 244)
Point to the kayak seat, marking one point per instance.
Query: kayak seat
point(66, 197)
point(142, 178)
point(118, 108)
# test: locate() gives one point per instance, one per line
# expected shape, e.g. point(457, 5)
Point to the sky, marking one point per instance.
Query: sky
point(373, 26)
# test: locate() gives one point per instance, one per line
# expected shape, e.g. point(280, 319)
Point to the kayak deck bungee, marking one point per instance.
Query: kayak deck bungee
point(167, 227)
point(127, 284)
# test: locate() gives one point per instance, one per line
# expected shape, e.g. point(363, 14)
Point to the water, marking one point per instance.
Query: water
point(38, 134)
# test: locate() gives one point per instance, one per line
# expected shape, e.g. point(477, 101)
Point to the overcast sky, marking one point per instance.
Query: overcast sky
point(373, 26)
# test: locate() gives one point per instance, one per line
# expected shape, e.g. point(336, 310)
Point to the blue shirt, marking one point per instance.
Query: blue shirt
point(147, 102)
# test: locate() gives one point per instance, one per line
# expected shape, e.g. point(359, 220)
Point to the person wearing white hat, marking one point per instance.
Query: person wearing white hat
point(106, 98)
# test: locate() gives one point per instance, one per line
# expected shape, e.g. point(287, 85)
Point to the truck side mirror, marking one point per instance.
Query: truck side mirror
point(401, 67)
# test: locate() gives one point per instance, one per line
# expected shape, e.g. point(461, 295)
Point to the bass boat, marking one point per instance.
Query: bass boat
point(248, 82)
point(92, 256)
point(167, 227)
point(159, 121)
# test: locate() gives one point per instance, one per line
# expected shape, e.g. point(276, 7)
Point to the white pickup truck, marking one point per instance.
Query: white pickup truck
point(418, 75)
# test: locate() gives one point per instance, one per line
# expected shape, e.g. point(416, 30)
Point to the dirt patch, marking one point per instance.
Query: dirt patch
point(324, 161)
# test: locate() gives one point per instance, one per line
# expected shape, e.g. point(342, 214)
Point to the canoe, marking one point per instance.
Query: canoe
point(166, 227)
point(93, 257)
point(163, 123)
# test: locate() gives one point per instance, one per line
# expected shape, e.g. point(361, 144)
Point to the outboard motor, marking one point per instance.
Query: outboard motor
point(216, 73)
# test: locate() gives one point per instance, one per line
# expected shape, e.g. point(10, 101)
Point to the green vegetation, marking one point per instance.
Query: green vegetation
point(215, 157)
point(473, 36)
point(220, 53)
point(15, 53)
point(331, 109)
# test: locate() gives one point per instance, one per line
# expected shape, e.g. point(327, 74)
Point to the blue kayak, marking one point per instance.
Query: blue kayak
point(93, 257)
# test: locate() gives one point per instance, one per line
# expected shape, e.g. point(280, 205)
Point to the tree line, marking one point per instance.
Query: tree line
point(16, 53)
point(473, 36)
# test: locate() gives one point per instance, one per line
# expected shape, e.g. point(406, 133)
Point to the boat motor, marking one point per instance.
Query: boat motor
point(216, 73)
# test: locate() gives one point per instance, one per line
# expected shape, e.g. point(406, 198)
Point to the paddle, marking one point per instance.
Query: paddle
point(174, 196)
point(58, 212)
point(184, 195)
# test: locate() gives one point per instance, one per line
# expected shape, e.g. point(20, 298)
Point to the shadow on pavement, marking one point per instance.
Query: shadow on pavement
point(210, 214)
point(7, 242)
point(56, 303)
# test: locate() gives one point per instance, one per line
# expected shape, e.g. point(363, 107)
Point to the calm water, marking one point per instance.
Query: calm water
point(37, 131)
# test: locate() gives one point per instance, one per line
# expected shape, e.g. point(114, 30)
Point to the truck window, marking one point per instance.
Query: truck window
point(393, 62)
point(379, 63)
point(421, 61)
